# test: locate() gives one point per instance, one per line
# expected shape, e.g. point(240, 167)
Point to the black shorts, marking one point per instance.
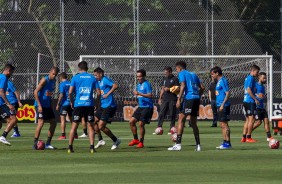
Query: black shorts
point(249, 108)
point(85, 112)
point(66, 110)
point(47, 113)
point(190, 107)
point(105, 114)
point(260, 114)
point(4, 112)
point(143, 114)
point(224, 115)
point(14, 113)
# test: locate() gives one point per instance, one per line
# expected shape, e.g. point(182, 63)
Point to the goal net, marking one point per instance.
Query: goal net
point(122, 70)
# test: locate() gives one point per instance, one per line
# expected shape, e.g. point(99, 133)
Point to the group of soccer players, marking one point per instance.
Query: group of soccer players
point(76, 100)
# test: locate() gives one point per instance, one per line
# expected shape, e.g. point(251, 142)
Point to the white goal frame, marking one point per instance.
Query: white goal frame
point(267, 57)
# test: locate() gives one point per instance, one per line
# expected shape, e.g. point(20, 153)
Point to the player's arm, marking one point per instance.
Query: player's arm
point(181, 92)
point(161, 94)
point(59, 101)
point(148, 95)
point(210, 95)
point(227, 95)
point(114, 87)
point(71, 95)
point(18, 98)
point(252, 95)
point(3, 96)
point(41, 84)
point(201, 89)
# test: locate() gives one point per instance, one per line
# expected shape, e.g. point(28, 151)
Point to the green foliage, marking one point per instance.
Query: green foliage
point(232, 47)
point(188, 41)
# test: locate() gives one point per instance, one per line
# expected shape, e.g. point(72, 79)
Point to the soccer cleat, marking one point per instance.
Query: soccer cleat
point(268, 139)
point(224, 146)
point(213, 125)
point(70, 151)
point(100, 143)
point(134, 142)
point(16, 134)
point(115, 145)
point(243, 139)
point(198, 147)
point(76, 136)
point(4, 141)
point(250, 140)
point(49, 146)
point(62, 137)
point(176, 147)
point(154, 133)
point(218, 147)
point(83, 135)
point(140, 145)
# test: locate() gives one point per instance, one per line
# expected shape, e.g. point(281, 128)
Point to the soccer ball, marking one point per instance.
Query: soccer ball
point(173, 130)
point(174, 137)
point(273, 144)
point(40, 145)
point(159, 131)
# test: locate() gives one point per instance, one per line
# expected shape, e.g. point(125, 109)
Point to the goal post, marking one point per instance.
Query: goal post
point(122, 69)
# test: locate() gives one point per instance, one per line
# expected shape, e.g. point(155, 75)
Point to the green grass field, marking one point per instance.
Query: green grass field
point(245, 163)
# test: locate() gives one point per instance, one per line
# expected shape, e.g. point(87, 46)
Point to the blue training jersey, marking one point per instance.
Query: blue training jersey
point(106, 85)
point(84, 84)
point(46, 93)
point(10, 93)
point(221, 88)
point(192, 83)
point(260, 94)
point(64, 90)
point(3, 85)
point(144, 88)
point(249, 83)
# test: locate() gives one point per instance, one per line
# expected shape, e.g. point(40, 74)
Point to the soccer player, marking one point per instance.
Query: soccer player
point(63, 104)
point(249, 103)
point(144, 112)
point(192, 89)
point(212, 98)
point(167, 100)
point(44, 112)
point(14, 98)
point(108, 107)
point(83, 85)
point(7, 110)
point(223, 105)
point(261, 113)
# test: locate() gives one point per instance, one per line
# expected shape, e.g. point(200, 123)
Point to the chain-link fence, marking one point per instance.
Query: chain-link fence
point(66, 30)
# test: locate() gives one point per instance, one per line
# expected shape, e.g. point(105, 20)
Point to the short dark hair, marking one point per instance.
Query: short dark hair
point(9, 67)
point(64, 75)
point(255, 67)
point(142, 71)
point(181, 64)
point(262, 73)
point(168, 68)
point(99, 70)
point(216, 69)
point(56, 69)
point(83, 65)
